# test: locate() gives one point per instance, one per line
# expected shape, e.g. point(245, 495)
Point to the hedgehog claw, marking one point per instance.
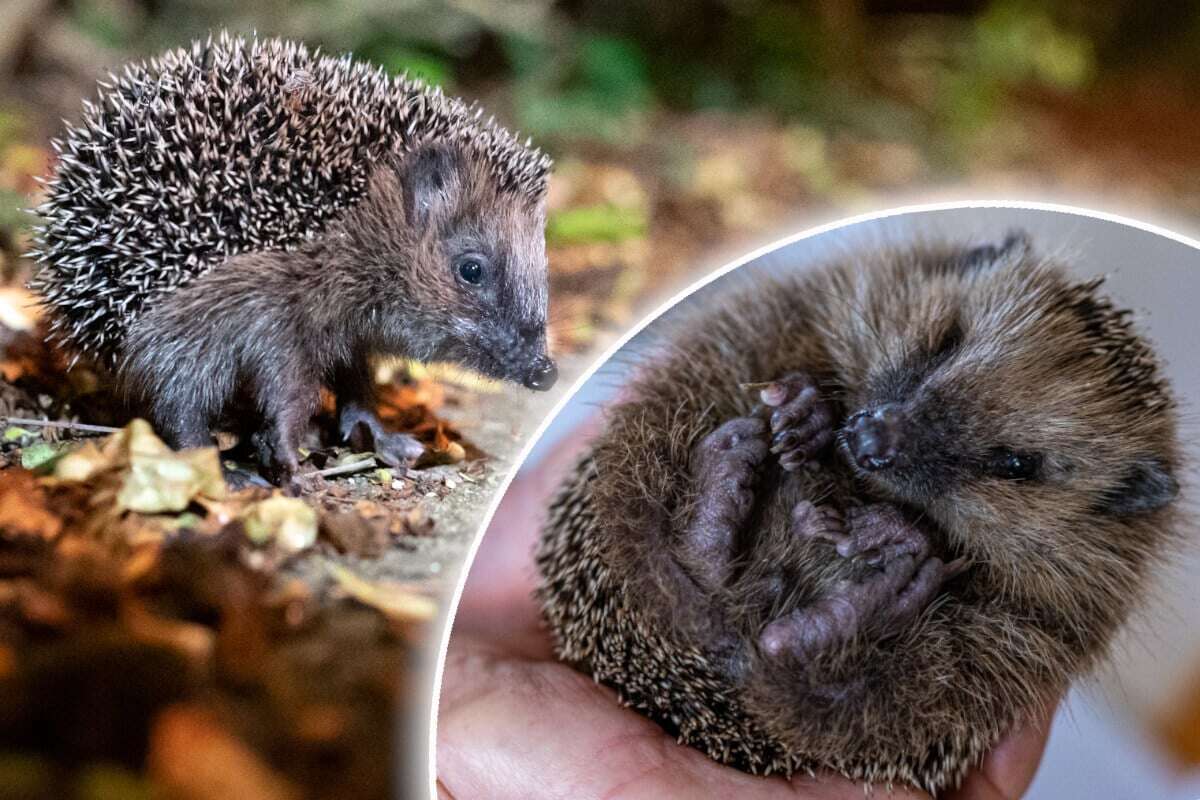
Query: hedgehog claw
point(801, 420)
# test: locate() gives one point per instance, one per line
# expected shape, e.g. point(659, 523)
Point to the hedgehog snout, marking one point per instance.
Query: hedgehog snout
point(542, 375)
point(874, 437)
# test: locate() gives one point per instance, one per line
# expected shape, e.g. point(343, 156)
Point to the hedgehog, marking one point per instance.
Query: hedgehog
point(236, 225)
point(867, 518)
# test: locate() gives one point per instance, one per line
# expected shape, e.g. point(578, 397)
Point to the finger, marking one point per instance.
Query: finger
point(1009, 769)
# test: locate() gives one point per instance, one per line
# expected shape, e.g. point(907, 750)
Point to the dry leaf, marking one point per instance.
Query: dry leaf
point(442, 450)
point(81, 464)
point(151, 477)
point(160, 479)
point(194, 757)
point(23, 509)
point(18, 309)
point(190, 638)
point(394, 601)
point(288, 521)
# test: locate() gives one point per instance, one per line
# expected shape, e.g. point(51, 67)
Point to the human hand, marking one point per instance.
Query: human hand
point(513, 722)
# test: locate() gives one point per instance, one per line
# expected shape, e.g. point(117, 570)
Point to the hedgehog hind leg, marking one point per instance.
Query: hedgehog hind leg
point(896, 579)
point(725, 467)
point(692, 564)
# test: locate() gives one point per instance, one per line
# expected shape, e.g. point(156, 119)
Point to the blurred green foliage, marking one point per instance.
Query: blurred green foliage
point(602, 222)
point(596, 88)
point(1018, 41)
point(595, 69)
point(938, 75)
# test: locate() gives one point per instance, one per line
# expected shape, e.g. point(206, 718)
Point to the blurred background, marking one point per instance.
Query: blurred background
point(685, 132)
point(689, 129)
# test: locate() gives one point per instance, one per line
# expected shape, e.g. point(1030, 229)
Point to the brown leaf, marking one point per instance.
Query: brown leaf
point(192, 639)
point(289, 522)
point(23, 510)
point(394, 601)
point(442, 450)
point(417, 522)
point(194, 757)
point(354, 534)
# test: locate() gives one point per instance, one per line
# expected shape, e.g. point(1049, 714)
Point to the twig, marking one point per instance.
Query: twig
point(79, 427)
point(346, 469)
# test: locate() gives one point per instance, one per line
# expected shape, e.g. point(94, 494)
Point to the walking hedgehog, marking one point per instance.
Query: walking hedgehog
point(236, 224)
point(936, 502)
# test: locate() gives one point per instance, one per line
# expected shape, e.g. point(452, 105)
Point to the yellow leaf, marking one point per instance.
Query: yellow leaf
point(392, 600)
point(288, 521)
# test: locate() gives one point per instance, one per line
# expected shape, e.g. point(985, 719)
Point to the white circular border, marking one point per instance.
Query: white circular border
point(753, 255)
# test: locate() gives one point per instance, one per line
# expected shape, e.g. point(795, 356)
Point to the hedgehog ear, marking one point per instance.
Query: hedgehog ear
point(1016, 245)
point(1146, 486)
point(429, 183)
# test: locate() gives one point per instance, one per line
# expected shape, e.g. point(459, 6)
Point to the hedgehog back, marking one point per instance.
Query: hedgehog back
point(229, 146)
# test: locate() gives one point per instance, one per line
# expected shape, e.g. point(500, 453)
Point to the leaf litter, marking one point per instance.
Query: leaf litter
point(160, 634)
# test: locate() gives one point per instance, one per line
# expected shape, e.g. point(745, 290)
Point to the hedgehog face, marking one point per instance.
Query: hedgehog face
point(994, 395)
point(468, 266)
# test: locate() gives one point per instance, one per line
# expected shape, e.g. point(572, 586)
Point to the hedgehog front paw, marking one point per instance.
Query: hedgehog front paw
point(364, 432)
point(725, 467)
point(395, 449)
point(802, 421)
point(900, 581)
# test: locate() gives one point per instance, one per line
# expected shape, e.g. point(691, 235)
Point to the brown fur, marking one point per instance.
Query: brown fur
point(273, 327)
point(989, 346)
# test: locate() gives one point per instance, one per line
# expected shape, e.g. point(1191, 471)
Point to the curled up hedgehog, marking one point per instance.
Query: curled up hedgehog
point(234, 225)
point(940, 495)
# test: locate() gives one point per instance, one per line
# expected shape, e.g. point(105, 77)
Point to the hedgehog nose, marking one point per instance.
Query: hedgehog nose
point(542, 375)
point(874, 437)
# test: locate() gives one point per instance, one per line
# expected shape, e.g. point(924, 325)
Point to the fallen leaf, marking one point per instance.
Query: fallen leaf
point(40, 456)
point(151, 477)
point(160, 479)
point(392, 600)
point(429, 378)
point(18, 309)
point(23, 510)
point(417, 522)
point(81, 464)
point(442, 450)
point(194, 757)
point(14, 433)
point(287, 521)
point(355, 534)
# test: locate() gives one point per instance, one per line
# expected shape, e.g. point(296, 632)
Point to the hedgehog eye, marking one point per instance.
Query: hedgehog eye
point(470, 270)
point(1011, 465)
